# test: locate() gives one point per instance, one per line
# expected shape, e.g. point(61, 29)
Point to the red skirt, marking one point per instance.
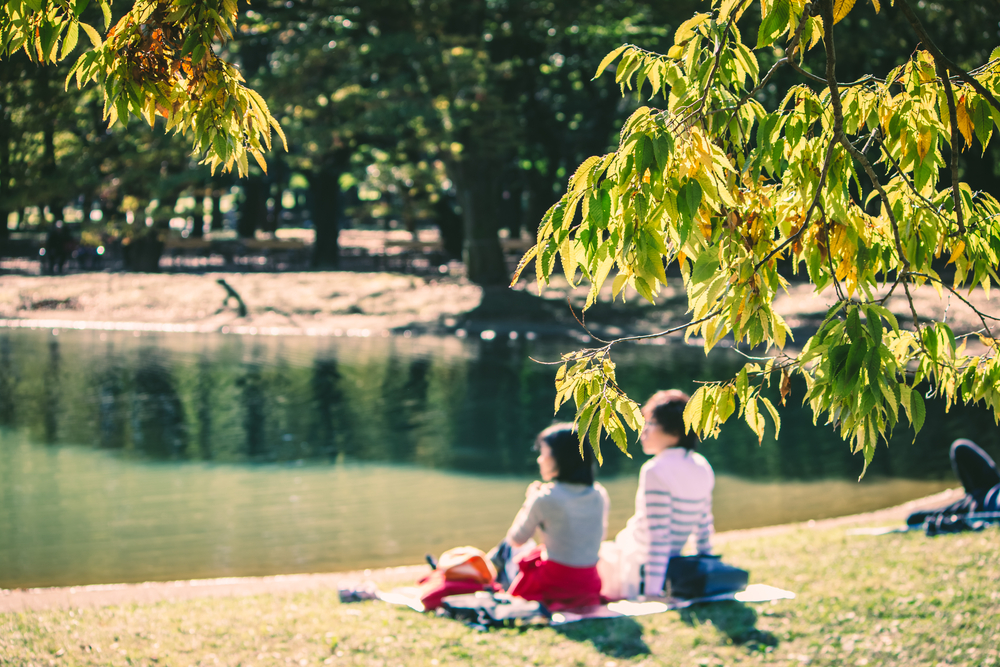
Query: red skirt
point(555, 585)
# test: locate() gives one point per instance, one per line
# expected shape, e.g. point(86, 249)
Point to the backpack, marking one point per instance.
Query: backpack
point(458, 571)
point(703, 576)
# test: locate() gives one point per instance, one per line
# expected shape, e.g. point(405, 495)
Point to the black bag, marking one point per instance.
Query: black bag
point(485, 610)
point(703, 576)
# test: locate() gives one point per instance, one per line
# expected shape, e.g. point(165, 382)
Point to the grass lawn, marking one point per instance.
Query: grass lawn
point(900, 599)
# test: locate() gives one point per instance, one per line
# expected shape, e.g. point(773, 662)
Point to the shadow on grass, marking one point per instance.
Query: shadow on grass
point(734, 619)
point(614, 637)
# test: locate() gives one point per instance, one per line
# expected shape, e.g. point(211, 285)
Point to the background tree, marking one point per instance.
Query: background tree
point(855, 183)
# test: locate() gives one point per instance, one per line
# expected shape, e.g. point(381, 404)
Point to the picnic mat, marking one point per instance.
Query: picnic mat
point(408, 597)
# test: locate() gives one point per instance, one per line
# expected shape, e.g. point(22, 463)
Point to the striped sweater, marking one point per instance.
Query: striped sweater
point(673, 501)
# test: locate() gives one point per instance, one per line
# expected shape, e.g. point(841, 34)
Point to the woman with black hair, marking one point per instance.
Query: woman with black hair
point(570, 511)
point(674, 500)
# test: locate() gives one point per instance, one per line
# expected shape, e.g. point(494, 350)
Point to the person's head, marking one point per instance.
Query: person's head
point(560, 456)
point(664, 414)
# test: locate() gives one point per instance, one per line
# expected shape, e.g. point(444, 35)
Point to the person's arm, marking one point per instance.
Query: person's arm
point(659, 515)
point(528, 518)
point(706, 528)
point(607, 508)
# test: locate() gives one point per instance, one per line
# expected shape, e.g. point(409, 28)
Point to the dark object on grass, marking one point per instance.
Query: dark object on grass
point(981, 503)
point(484, 610)
point(703, 576)
point(357, 592)
point(430, 561)
point(232, 294)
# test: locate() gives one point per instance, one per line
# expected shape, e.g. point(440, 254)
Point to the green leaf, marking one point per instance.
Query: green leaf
point(69, 41)
point(774, 24)
point(608, 59)
point(917, 412)
point(95, 38)
point(106, 8)
point(689, 200)
point(693, 410)
point(774, 415)
point(755, 420)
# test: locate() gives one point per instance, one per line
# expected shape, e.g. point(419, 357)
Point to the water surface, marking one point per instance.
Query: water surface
point(157, 457)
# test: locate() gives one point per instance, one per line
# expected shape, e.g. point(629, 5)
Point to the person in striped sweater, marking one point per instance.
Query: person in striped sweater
point(673, 501)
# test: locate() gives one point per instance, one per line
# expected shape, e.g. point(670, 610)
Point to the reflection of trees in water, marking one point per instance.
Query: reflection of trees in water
point(159, 428)
point(204, 414)
point(8, 383)
point(253, 401)
point(478, 411)
point(404, 406)
point(326, 398)
point(110, 388)
point(51, 403)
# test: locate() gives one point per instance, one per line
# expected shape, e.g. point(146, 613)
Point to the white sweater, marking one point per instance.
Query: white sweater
point(674, 499)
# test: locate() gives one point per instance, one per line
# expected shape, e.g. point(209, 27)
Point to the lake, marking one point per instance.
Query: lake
point(128, 456)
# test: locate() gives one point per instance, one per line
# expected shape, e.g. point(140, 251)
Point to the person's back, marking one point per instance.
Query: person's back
point(572, 519)
point(673, 500)
point(570, 510)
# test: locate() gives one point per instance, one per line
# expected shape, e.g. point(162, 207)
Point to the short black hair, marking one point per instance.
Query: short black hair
point(574, 460)
point(666, 408)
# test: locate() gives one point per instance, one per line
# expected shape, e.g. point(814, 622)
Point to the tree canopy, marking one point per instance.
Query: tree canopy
point(159, 59)
point(854, 184)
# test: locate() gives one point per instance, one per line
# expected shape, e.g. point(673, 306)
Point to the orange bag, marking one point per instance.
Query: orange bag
point(467, 563)
point(460, 570)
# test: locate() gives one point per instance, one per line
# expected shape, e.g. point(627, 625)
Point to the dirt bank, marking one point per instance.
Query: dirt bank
point(335, 303)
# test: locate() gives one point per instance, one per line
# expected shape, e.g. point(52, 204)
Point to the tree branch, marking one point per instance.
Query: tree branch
point(942, 59)
point(953, 121)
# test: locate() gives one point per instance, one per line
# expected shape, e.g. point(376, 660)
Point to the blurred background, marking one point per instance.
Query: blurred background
point(417, 129)
point(425, 136)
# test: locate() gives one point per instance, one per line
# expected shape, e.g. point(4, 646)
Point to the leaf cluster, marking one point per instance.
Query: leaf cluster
point(844, 182)
point(159, 59)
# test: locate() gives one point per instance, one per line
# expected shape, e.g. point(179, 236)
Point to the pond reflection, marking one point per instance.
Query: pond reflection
point(126, 457)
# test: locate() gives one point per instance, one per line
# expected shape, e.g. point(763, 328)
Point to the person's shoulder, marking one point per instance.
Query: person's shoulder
point(545, 491)
point(700, 460)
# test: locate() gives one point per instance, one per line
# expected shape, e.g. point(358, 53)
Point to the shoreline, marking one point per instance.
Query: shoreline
point(102, 595)
point(337, 303)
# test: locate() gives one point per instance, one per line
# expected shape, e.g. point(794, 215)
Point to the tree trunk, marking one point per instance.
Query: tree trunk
point(198, 230)
point(143, 253)
point(450, 225)
point(217, 221)
point(478, 182)
point(253, 212)
point(327, 205)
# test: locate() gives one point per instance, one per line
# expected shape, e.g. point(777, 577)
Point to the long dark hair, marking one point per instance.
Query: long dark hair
point(575, 462)
point(666, 408)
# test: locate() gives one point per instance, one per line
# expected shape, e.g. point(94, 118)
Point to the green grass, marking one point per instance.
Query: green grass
point(901, 599)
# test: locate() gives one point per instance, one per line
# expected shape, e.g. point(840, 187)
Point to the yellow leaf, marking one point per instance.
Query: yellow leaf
point(957, 251)
point(924, 143)
point(878, 7)
point(841, 8)
point(964, 122)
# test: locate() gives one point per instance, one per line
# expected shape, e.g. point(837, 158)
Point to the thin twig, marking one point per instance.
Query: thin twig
point(953, 121)
point(815, 204)
point(982, 316)
point(913, 188)
point(582, 324)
